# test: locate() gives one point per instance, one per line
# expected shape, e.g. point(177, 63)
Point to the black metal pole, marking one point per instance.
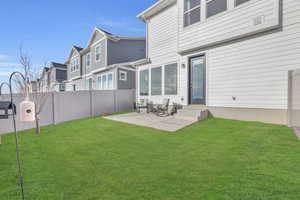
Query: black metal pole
point(16, 134)
point(15, 127)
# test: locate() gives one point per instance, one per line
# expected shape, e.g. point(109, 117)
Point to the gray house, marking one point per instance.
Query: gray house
point(53, 77)
point(106, 62)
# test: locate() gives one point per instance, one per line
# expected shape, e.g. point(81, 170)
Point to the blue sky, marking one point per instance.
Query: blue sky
point(47, 29)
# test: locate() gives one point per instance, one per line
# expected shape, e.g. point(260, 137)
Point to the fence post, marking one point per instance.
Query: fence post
point(91, 103)
point(115, 101)
point(53, 108)
point(290, 99)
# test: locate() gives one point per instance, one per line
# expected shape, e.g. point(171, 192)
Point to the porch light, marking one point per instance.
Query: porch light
point(183, 65)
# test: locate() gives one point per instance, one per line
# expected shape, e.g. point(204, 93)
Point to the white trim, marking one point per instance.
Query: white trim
point(155, 8)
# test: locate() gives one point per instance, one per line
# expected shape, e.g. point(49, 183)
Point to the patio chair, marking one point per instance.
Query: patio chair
point(143, 104)
point(163, 109)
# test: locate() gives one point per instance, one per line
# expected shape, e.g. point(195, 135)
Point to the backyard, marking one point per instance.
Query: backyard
point(97, 158)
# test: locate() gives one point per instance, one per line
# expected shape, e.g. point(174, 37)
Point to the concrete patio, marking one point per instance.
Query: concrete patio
point(170, 123)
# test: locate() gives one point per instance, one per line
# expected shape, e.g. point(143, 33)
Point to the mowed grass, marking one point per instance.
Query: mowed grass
point(99, 159)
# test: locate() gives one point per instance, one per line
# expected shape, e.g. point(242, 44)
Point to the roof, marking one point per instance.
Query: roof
point(154, 9)
point(104, 31)
point(77, 48)
point(58, 65)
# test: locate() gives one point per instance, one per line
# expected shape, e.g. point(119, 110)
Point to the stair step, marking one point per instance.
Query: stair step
point(194, 115)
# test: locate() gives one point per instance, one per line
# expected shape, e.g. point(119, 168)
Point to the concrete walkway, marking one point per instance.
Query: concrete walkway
point(170, 123)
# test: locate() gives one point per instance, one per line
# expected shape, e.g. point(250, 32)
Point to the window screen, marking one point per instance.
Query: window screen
point(144, 83)
point(171, 79)
point(156, 81)
point(110, 81)
point(192, 12)
point(214, 7)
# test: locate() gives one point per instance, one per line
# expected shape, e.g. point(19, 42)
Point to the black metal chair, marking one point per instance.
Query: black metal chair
point(163, 109)
point(143, 104)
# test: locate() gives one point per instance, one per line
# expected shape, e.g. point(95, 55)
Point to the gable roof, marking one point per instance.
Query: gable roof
point(112, 36)
point(155, 8)
point(77, 49)
point(58, 65)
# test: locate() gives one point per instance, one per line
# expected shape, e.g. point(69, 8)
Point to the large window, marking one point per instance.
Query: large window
point(110, 81)
point(171, 79)
point(98, 53)
point(74, 65)
point(192, 12)
point(104, 83)
point(156, 81)
point(144, 83)
point(214, 7)
point(239, 2)
point(99, 82)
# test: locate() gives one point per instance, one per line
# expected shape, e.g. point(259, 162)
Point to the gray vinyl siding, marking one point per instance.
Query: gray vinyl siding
point(129, 83)
point(102, 63)
point(85, 69)
point(125, 51)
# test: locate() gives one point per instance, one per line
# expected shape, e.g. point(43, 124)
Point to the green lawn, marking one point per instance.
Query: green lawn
point(98, 159)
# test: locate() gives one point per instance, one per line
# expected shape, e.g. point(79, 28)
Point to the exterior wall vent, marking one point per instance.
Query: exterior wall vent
point(258, 20)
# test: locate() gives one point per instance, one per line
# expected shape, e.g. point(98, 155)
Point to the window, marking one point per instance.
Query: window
point(123, 76)
point(99, 82)
point(239, 2)
point(192, 12)
point(171, 79)
point(74, 65)
point(98, 53)
point(110, 81)
point(156, 81)
point(88, 60)
point(104, 86)
point(214, 7)
point(144, 83)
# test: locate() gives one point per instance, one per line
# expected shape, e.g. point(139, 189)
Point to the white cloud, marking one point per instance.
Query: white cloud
point(3, 57)
point(8, 65)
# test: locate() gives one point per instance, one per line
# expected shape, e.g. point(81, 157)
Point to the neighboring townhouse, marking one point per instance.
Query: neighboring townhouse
point(57, 75)
point(44, 81)
point(105, 64)
point(53, 77)
point(229, 56)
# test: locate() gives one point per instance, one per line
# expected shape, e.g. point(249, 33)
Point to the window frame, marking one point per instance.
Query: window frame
point(189, 11)
point(104, 84)
point(206, 14)
point(177, 78)
point(161, 80)
point(98, 47)
point(110, 87)
point(148, 82)
point(120, 75)
point(99, 84)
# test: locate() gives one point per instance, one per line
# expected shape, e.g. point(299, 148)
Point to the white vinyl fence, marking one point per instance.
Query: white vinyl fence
point(67, 106)
point(294, 98)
